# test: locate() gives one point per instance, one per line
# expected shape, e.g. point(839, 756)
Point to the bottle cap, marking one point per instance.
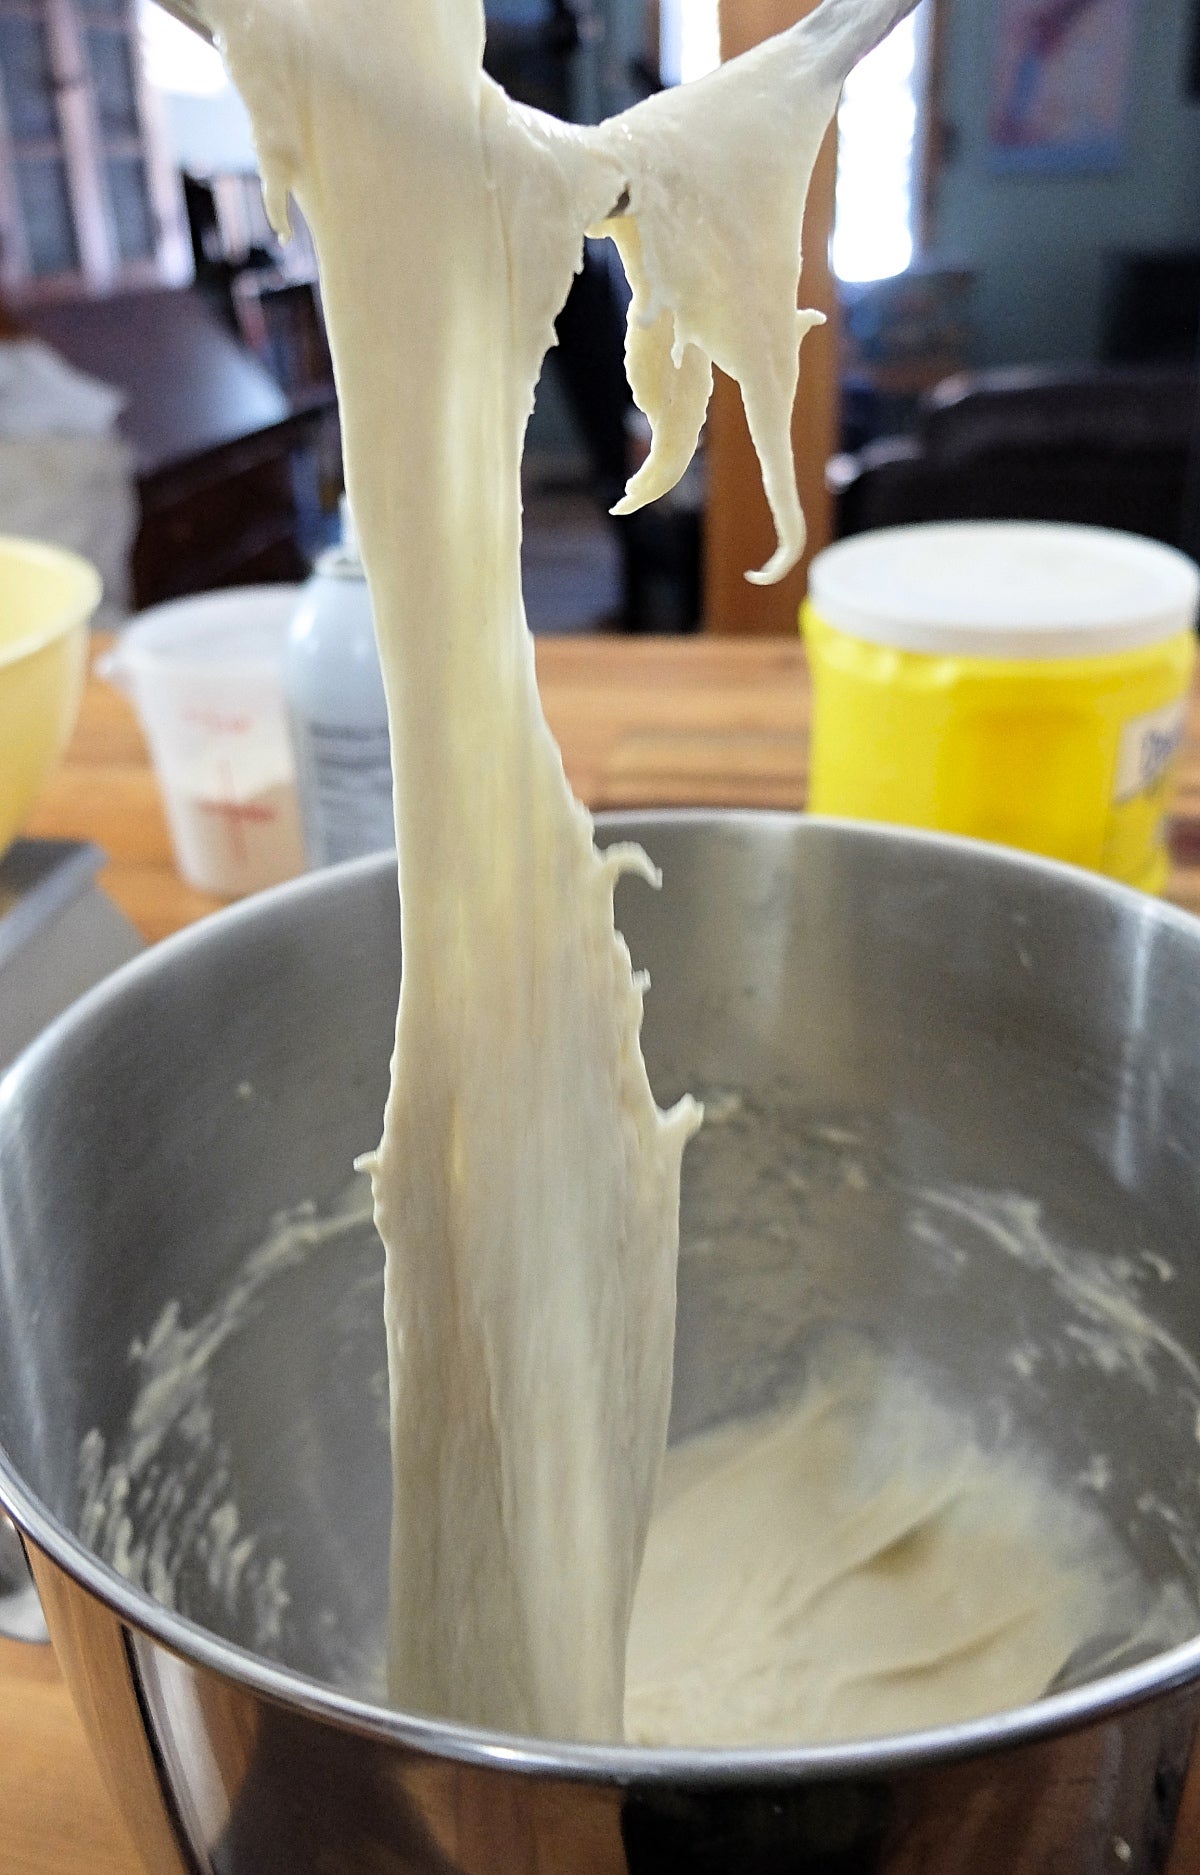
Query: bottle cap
point(343, 561)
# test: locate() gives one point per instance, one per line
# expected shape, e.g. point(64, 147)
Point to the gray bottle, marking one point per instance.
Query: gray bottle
point(338, 711)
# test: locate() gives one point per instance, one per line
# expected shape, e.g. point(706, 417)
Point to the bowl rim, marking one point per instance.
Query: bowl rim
point(75, 612)
point(627, 1765)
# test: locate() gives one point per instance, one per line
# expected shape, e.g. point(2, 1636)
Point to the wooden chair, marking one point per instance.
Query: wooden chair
point(1104, 447)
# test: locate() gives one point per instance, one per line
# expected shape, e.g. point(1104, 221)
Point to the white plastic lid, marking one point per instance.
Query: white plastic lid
point(1005, 589)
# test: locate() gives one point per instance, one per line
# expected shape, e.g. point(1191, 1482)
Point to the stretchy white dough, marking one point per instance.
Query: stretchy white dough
point(526, 1185)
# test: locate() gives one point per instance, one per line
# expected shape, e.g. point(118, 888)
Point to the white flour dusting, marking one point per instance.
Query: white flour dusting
point(1113, 1329)
point(161, 1497)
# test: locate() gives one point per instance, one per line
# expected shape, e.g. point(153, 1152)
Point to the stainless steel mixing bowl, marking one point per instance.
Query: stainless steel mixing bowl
point(955, 1106)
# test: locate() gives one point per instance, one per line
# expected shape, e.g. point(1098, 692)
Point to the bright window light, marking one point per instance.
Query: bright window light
point(877, 126)
point(177, 59)
point(689, 39)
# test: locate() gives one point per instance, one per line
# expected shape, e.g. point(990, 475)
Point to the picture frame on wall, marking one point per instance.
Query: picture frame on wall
point(1060, 85)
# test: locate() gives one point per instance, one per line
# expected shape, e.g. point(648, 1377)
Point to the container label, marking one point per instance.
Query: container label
point(345, 776)
point(1147, 749)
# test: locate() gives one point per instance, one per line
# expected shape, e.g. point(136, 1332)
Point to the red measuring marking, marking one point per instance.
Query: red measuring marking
point(237, 816)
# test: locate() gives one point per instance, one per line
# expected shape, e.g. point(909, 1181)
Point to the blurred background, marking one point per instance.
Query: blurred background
point(1006, 241)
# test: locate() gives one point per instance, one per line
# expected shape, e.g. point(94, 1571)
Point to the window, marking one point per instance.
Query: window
point(177, 60)
point(878, 179)
point(689, 39)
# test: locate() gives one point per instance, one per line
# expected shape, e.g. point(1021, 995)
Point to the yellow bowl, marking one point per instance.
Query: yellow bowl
point(47, 597)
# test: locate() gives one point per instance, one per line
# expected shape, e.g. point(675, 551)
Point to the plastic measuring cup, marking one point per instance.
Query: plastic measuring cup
point(206, 676)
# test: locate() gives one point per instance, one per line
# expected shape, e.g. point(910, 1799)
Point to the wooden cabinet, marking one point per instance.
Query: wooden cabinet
point(219, 451)
point(89, 200)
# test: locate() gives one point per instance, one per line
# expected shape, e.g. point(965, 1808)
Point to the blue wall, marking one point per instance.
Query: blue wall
point(1038, 244)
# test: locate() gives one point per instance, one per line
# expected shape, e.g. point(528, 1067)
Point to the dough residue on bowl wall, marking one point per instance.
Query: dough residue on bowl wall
point(836, 1549)
point(159, 1500)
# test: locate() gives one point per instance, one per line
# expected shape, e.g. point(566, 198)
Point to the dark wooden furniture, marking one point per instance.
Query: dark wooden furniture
point(1152, 311)
point(1105, 447)
point(219, 449)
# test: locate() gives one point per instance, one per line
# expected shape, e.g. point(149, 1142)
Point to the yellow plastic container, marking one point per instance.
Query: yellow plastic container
point(1020, 682)
point(47, 597)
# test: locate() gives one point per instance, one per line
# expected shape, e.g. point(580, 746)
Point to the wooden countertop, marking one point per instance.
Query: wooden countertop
point(645, 722)
point(641, 722)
